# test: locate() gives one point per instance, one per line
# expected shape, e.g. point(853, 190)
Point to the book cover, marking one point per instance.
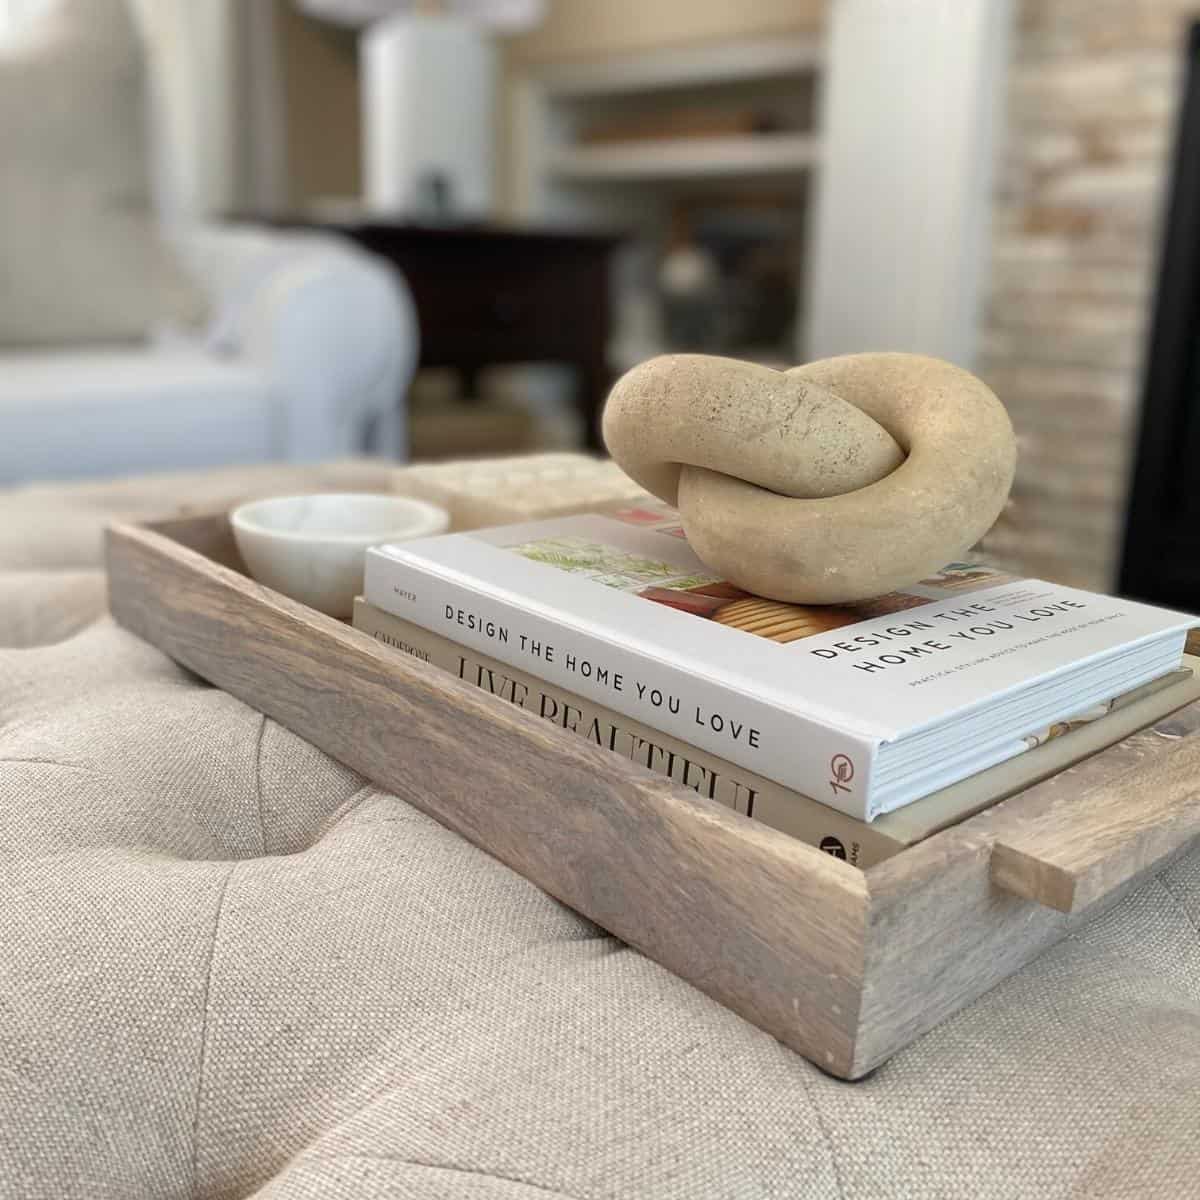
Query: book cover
point(865, 707)
point(863, 845)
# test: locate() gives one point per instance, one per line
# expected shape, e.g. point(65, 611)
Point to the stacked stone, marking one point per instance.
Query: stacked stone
point(1092, 100)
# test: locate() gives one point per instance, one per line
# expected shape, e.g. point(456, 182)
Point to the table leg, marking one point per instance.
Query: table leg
point(591, 392)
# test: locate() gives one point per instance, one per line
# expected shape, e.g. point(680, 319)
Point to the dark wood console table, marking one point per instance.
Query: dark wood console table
point(494, 294)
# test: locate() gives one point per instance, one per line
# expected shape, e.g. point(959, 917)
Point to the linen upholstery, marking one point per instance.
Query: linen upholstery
point(231, 967)
point(80, 258)
point(42, 607)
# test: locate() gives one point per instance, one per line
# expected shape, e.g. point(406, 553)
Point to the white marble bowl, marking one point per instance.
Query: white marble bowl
point(312, 548)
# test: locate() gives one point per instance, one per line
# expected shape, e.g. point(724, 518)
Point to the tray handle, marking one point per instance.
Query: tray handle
point(1075, 851)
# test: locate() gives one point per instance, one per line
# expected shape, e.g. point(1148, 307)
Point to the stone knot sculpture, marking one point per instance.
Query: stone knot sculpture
point(828, 483)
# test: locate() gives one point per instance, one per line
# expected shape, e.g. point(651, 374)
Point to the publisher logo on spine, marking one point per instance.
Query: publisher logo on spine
point(841, 772)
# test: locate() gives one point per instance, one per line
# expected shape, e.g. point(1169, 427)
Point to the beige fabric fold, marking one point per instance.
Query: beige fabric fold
point(42, 607)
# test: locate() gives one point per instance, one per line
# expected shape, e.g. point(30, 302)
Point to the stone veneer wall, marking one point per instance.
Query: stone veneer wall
point(1091, 111)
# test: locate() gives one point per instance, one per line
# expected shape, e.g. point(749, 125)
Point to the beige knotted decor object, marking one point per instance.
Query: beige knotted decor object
point(832, 482)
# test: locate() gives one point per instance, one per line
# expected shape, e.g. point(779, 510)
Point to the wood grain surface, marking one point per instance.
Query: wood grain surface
point(844, 966)
point(941, 933)
point(1069, 847)
point(768, 926)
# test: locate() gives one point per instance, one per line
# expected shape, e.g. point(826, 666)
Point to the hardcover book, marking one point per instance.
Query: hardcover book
point(865, 707)
point(863, 845)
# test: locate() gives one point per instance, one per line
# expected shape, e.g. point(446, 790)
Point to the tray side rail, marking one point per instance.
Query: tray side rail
point(951, 918)
point(1071, 852)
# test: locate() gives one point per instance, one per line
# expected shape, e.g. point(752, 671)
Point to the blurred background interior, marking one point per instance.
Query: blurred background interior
point(248, 230)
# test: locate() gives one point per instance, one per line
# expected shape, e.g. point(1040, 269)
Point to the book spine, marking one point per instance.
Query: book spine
point(797, 815)
point(799, 752)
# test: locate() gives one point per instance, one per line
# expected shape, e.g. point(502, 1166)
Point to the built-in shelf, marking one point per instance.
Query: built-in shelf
point(686, 66)
point(671, 146)
point(685, 158)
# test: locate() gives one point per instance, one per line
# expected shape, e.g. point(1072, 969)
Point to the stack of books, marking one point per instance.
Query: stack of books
point(860, 728)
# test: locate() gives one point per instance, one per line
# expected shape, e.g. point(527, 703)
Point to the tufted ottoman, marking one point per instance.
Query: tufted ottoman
point(230, 967)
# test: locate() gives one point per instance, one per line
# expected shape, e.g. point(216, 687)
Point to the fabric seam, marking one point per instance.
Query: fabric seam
point(820, 1118)
point(212, 955)
point(1177, 900)
point(431, 1166)
point(258, 750)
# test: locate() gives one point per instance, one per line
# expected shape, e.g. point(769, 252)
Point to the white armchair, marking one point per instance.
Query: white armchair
point(308, 357)
point(309, 344)
point(333, 327)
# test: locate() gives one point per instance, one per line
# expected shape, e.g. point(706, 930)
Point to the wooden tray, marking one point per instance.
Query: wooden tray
point(845, 966)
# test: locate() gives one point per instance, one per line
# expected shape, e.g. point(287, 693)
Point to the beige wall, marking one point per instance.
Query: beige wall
point(319, 69)
point(594, 28)
point(319, 66)
point(581, 30)
point(1091, 111)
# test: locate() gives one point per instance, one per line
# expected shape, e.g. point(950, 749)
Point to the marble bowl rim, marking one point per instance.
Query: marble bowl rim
point(242, 519)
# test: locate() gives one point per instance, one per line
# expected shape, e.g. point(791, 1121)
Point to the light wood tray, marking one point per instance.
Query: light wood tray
point(845, 966)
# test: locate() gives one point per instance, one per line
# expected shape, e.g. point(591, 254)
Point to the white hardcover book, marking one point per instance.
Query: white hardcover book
point(865, 707)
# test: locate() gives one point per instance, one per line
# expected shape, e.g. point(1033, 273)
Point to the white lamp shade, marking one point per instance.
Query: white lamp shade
point(506, 16)
point(428, 88)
